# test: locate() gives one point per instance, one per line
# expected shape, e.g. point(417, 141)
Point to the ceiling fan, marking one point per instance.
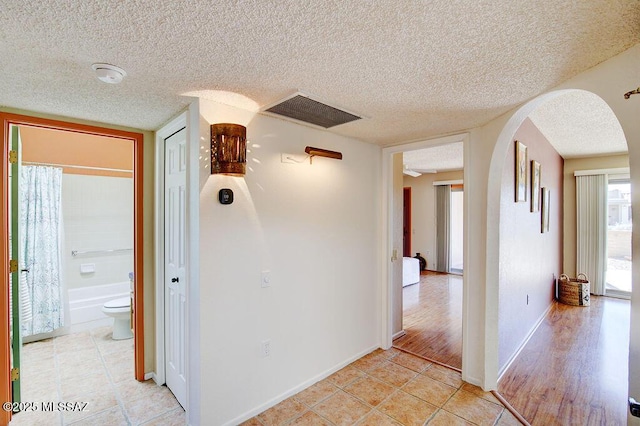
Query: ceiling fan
point(416, 172)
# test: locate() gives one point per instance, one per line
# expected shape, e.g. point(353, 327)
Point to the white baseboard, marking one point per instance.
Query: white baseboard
point(398, 334)
point(254, 412)
point(524, 342)
point(150, 375)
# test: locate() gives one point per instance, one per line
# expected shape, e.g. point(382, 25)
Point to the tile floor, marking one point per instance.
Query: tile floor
point(91, 367)
point(389, 388)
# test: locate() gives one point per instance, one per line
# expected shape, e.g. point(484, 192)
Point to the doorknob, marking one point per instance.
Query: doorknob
point(175, 280)
point(634, 407)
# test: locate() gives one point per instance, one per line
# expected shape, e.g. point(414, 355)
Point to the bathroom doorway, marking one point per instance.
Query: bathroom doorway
point(85, 256)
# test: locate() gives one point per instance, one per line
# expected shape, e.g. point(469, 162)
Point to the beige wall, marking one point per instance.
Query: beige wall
point(529, 259)
point(570, 166)
point(423, 213)
point(148, 208)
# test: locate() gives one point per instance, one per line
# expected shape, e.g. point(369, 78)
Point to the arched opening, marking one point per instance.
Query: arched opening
point(503, 290)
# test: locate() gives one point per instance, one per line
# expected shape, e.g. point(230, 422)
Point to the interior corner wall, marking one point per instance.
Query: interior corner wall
point(316, 229)
point(529, 259)
point(570, 166)
point(423, 213)
point(398, 230)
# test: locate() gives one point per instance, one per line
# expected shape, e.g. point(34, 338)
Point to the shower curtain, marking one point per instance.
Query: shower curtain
point(40, 247)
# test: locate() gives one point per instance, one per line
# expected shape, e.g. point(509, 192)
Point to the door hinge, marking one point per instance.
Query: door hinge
point(15, 374)
point(13, 266)
point(13, 157)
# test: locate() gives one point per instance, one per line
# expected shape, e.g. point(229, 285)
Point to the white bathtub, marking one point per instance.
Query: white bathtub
point(85, 304)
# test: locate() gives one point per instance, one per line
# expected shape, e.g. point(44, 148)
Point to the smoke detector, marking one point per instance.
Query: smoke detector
point(109, 73)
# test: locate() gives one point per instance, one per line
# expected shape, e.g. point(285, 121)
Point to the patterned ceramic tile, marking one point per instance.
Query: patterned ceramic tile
point(407, 409)
point(473, 408)
point(477, 391)
point(508, 419)
point(252, 422)
point(282, 412)
point(444, 418)
point(172, 418)
point(444, 375)
point(111, 417)
point(411, 362)
point(345, 376)
point(309, 419)
point(394, 374)
point(370, 390)
point(430, 390)
point(316, 393)
point(341, 409)
point(369, 362)
point(376, 418)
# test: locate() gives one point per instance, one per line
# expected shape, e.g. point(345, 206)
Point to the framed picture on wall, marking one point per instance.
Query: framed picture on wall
point(521, 172)
point(535, 186)
point(545, 210)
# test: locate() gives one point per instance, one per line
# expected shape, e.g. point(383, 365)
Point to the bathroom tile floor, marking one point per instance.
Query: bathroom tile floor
point(92, 368)
point(389, 388)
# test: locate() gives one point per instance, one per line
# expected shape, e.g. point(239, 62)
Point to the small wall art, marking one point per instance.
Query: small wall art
point(535, 186)
point(545, 210)
point(521, 172)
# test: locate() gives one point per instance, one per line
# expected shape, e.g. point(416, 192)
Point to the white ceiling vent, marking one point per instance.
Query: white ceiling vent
point(301, 107)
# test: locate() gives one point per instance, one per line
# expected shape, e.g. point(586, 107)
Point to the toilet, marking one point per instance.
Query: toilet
point(120, 310)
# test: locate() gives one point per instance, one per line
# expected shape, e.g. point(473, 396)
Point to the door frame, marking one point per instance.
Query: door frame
point(167, 130)
point(386, 318)
point(9, 119)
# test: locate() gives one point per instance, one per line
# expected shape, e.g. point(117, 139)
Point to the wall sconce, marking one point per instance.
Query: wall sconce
point(322, 153)
point(228, 149)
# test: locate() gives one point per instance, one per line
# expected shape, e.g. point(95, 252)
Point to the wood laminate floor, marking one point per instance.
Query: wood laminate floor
point(574, 369)
point(432, 318)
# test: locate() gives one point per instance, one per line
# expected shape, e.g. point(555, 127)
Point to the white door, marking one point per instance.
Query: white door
point(174, 273)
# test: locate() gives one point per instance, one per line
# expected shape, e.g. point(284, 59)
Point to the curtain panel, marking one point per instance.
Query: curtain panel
point(443, 219)
point(40, 247)
point(591, 222)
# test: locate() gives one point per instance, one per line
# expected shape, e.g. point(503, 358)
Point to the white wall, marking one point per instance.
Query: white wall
point(97, 212)
point(423, 213)
point(316, 229)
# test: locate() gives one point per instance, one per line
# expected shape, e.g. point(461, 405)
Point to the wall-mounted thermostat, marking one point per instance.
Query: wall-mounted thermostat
point(225, 195)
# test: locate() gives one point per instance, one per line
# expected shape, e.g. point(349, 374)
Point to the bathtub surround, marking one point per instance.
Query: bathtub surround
point(98, 215)
point(98, 218)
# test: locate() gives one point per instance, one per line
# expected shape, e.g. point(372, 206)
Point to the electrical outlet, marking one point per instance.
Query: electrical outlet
point(265, 348)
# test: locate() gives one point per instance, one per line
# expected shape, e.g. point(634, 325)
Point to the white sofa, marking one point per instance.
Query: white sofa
point(410, 271)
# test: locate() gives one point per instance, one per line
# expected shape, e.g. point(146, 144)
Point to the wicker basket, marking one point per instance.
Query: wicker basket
point(574, 291)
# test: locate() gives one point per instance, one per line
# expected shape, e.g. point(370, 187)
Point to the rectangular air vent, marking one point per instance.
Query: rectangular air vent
point(302, 108)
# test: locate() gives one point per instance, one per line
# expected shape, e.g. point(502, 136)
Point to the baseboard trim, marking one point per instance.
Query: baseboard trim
point(525, 341)
point(150, 375)
point(398, 334)
point(259, 409)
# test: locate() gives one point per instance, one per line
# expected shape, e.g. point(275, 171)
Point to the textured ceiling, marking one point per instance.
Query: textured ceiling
point(440, 158)
point(580, 124)
point(415, 69)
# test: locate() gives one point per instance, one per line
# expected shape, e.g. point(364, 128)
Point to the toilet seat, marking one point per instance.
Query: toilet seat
point(123, 302)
